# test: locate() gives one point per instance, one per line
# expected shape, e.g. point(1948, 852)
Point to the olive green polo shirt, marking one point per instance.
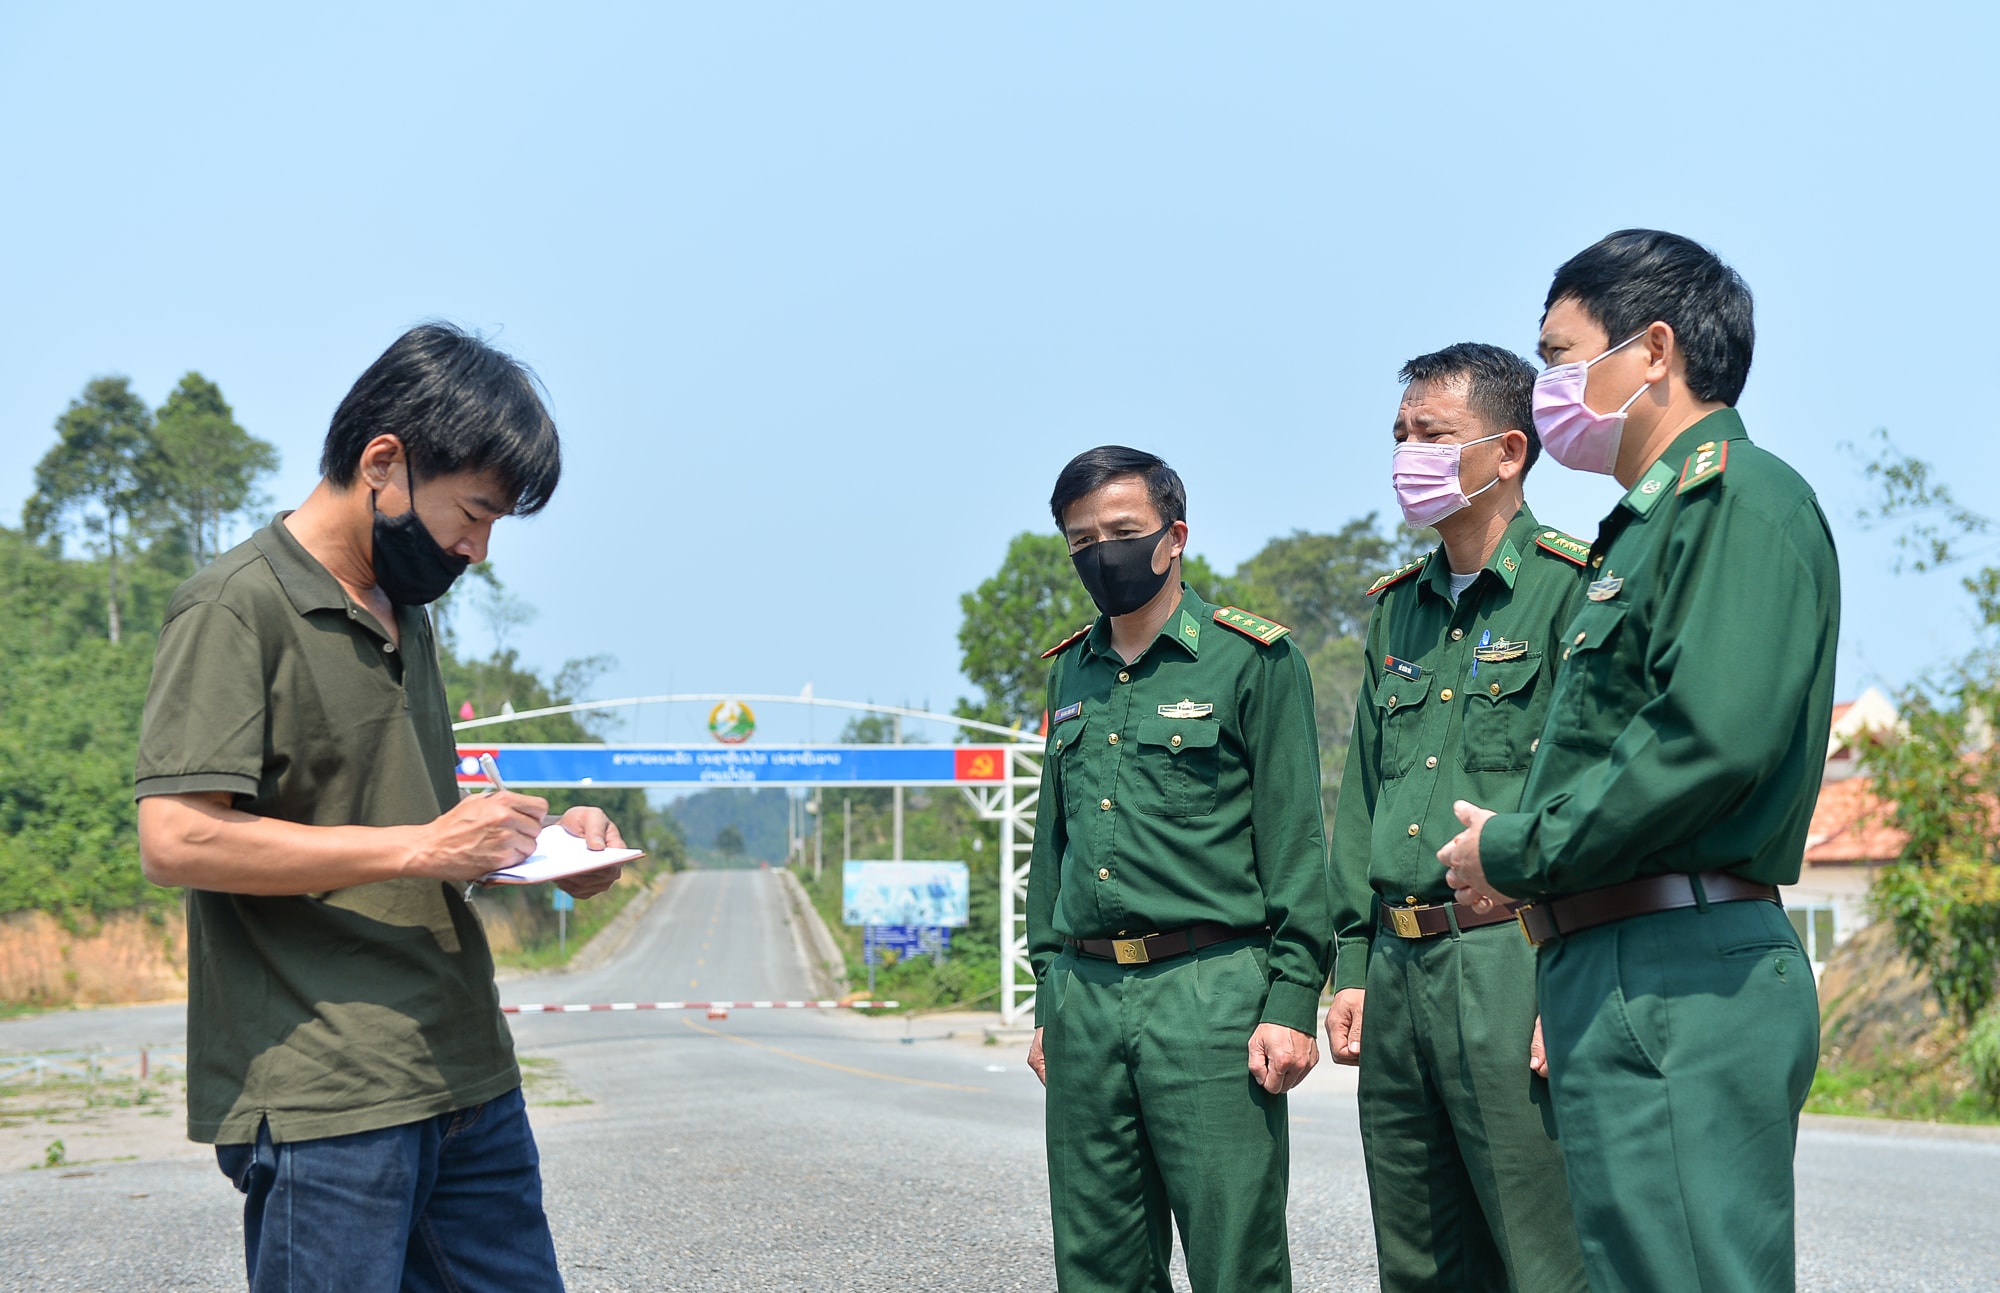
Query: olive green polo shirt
point(1451, 707)
point(338, 1012)
point(1689, 727)
point(1181, 788)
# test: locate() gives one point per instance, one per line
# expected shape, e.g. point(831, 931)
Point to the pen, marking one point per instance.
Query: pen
point(491, 768)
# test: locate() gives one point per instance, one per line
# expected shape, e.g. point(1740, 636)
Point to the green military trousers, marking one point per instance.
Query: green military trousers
point(1681, 1046)
point(1153, 1119)
point(1464, 1172)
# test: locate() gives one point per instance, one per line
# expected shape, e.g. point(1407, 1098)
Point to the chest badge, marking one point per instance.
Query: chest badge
point(1498, 651)
point(1066, 713)
point(1403, 667)
point(1605, 589)
point(1186, 709)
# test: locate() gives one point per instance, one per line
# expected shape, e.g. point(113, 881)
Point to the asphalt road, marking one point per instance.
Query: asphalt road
point(809, 1150)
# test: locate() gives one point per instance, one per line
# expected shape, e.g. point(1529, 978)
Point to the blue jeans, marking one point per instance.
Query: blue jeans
point(451, 1204)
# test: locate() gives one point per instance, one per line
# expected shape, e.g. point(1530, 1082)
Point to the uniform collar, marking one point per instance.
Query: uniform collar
point(1505, 563)
point(1652, 485)
point(1183, 627)
point(309, 585)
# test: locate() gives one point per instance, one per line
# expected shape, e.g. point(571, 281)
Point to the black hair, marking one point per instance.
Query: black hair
point(458, 405)
point(1094, 468)
point(1637, 277)
point(1500, 386)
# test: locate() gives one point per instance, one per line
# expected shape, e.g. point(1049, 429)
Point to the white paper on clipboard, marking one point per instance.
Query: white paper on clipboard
point(557, 854)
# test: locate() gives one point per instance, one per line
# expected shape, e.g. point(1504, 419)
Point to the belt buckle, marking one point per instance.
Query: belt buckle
point(1521, 918)
point(1404, 921)
point(1129, 951)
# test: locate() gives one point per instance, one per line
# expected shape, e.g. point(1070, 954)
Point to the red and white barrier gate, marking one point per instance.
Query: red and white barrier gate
point(715, 1009)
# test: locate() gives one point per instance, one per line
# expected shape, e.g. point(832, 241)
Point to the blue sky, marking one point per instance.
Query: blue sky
point(824, 295)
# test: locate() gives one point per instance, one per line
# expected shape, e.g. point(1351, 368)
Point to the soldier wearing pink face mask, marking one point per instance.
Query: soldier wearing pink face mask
point(1434, 999)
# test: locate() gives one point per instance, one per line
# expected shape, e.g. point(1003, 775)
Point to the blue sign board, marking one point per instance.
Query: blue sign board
point(905, 941)
point(719, 765)
point(905, 893)
point(560, 900)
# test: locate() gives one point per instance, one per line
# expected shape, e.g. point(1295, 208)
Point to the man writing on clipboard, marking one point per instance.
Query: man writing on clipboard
point(346, 1052)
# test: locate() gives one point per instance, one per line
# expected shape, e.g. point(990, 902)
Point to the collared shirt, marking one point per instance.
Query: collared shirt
point(1690, 720)
point(1179, 788)
point(1436, 722)
point(335, 1012)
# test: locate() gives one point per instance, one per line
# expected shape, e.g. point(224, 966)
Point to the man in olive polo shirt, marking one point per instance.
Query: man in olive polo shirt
point(1678, 771)
point(1178, 917)
point(1435, 1001)
point(346, 1052)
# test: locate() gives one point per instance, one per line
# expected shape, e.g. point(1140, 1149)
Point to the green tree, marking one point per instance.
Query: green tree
point(208, 466)
point(1317, 584)
point(100, 477)
point(729, 842)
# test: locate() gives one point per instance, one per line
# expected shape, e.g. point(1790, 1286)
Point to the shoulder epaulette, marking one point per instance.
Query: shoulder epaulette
point(1400, 572)
point(1250, 626)
point(1566, 546)
point(1703, 465)
point(1057, 648)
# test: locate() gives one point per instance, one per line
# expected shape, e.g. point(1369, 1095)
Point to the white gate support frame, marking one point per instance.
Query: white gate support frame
point(1012, 804)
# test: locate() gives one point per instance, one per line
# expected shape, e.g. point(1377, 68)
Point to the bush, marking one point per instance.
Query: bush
point(1981, 1054)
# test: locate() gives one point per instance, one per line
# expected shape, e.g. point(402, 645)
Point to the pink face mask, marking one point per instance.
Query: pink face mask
point(1426, 477)
point(1575, 436)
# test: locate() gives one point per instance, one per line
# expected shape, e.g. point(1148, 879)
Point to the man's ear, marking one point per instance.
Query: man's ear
point(1663, 351)
point(1177, 539)
point(1513, 454)
point(379, 459)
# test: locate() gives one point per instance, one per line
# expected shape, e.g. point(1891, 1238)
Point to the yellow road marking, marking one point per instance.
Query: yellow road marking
point(829, 1064)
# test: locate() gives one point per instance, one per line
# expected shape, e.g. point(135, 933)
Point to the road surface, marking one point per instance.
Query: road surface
point(824, 1151)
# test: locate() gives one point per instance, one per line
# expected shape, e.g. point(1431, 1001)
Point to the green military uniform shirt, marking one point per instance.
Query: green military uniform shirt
point(1688, 730)
point(1451, 706)
point(1181, 788)
point(335, 1012)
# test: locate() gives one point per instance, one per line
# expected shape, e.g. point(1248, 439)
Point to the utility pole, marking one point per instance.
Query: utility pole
point(898, 853)
point(847, 830)
point(819, 831)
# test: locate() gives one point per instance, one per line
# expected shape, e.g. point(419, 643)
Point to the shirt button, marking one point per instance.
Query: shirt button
point(1456, 634)
point(390, 647)
point(1392, 702)
point(1495, 689)
point(1431, 762)
point(1534, 745)
point(1059, 743)
point(1596, 562)
point(1581, 636)
point(1123, 676)
point(1175, 741)
point(1445, 694)
point(1565, 653)
point(1413, 828)
point(1114, 738)
point(1104, 873)
point(1104, 805)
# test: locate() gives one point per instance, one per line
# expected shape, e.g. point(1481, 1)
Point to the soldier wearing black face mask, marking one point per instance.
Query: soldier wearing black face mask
point(1178, 910)
point(295, 775)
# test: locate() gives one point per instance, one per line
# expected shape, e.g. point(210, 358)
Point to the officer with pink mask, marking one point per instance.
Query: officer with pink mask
point(1436, 1000)
point(1677, 773)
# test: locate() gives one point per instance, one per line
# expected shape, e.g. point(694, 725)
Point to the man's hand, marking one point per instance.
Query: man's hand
point(597, 832)
point(1280, 1057)
point(1462, 867)
point(1036, 1060)
point(1538, 1055)
point(1343, 1026)
point(482, 833)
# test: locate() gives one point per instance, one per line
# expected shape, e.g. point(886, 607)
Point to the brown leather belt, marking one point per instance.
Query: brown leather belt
point(1161, 947)
point(1575, 912)
point(1431, 921)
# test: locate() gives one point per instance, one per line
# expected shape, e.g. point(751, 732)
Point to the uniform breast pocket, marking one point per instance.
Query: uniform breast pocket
point(1504, 708)
point(1399, 703)
point(1175, 766)
point(1063, 749)
point(1592, 695)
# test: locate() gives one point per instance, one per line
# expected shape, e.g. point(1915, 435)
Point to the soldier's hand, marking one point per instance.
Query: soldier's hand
point(1343, 1026)
point(1036, 1060)
point(1463, 868)
point(482, 833)
point(1280, 1057)
point(1538, 1055)
point(597, 832)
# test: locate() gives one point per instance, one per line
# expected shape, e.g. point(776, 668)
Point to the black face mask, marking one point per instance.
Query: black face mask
point(410, 568)
point(1118, 573)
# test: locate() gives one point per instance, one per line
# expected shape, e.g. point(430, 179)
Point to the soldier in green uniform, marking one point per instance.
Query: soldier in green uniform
point(1178, 914)
point(1434, 1000)
point(1677, 773)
